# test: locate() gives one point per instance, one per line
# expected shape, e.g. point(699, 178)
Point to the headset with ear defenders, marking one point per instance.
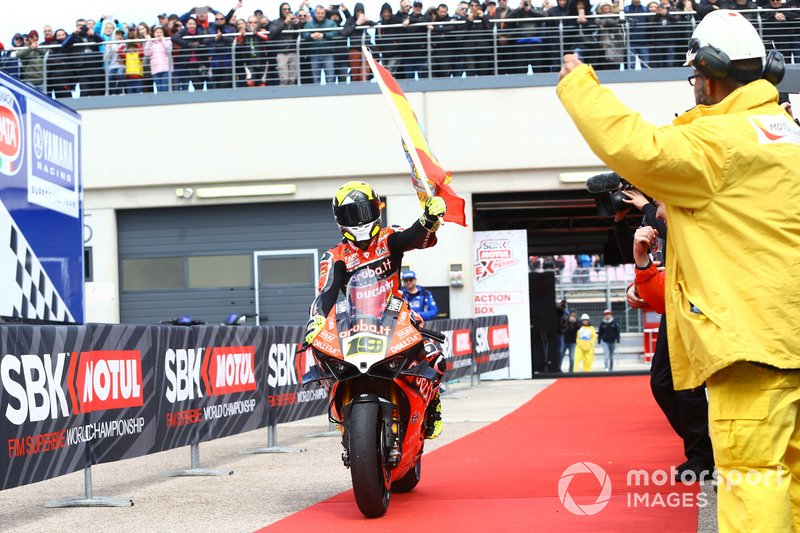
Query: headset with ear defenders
point(774, 67)
point(713, 62)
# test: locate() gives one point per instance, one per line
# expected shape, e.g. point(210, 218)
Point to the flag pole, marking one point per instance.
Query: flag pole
point(399, 121)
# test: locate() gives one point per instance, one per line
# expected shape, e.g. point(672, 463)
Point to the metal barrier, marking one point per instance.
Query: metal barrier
point(456, 48)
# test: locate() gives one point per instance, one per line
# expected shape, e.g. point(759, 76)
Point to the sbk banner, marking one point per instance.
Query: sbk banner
point(210, 383)
point(457, 347)
point(287, 399)
point(491, 343)
point(38, 420)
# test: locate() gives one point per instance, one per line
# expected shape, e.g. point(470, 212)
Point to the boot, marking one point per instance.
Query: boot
point(433, 418)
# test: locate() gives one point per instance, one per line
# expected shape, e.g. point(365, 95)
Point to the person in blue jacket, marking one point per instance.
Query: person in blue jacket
point(418, 298)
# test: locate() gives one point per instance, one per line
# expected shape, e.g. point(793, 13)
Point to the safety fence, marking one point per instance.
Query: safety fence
point(455, 48)
point(75, 396)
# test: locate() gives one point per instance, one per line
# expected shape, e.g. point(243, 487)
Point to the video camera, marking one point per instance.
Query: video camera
point(607, 191)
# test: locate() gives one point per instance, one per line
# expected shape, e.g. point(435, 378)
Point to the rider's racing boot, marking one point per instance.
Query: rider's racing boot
point(433, 418)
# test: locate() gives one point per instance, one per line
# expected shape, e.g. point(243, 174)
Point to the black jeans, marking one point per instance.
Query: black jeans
point(686, 410)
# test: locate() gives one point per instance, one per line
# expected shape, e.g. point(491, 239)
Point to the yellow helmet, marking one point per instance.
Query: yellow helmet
point(357, 210)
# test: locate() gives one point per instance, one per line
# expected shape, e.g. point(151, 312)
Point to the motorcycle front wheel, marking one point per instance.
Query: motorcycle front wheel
point(371, 479)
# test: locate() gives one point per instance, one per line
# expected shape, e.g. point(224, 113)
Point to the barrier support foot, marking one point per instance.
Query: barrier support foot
point(272, 444)
point(88, 500)
point(195, 469)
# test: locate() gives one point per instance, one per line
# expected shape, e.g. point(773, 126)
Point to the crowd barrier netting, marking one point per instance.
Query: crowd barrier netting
point(74, 396)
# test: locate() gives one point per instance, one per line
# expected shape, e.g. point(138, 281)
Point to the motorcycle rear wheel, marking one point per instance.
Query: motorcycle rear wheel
point(410, 480)
point(371, 479)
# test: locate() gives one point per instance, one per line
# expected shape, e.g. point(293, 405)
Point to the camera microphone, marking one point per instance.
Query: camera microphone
point(609, 181)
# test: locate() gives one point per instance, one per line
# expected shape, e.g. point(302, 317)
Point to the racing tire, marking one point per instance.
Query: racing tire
point(410, 480)
point(371, 478)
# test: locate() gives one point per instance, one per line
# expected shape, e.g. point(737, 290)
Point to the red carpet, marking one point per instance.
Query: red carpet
point(505, 477)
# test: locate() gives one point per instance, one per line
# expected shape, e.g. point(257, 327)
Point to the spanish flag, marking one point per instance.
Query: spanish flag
point(427, 174)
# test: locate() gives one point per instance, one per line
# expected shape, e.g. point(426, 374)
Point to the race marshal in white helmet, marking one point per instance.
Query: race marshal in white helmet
point(728, 171)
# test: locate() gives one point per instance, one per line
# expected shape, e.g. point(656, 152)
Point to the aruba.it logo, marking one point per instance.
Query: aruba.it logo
point(590, 508)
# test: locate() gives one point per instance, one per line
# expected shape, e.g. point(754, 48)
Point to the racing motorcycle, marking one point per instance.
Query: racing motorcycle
point(379, 371)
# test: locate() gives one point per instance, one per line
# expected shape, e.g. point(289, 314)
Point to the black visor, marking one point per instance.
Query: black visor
point(357, 213)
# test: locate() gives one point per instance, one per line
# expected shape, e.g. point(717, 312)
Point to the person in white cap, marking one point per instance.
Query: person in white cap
point(728, 173)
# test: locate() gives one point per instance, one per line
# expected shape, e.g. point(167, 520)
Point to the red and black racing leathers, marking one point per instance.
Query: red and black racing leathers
point(384, 256)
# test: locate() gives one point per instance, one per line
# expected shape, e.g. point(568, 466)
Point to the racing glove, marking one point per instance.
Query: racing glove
point(314, 326)
point(435, 207)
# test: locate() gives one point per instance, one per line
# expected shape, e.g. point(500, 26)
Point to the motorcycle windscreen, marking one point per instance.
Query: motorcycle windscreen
point(367, 296)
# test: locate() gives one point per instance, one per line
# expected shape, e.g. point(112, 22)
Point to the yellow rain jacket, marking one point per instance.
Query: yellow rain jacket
point(730, 176)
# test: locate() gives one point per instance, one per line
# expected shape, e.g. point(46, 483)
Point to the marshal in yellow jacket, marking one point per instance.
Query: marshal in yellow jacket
point(730, 177)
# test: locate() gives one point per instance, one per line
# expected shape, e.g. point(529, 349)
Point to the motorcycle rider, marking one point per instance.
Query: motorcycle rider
point(367, 245)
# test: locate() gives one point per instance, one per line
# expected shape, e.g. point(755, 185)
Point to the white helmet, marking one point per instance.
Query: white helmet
point(730, 32)
point(584, 316)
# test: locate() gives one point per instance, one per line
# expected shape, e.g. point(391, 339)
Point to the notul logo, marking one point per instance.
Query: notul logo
point(109, 380)
point(584, 509)
point(230, 369)
point(11, 137)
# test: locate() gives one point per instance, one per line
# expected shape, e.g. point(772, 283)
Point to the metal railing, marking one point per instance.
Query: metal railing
point(425, 50)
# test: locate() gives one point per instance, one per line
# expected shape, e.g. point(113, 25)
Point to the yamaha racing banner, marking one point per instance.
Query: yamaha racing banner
point(457, 348)
point(41, 206)
point(490, 342)
point(287, 399)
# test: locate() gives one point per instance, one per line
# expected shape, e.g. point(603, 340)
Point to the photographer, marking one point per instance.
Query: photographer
point(85, 60)
point(685, 410)
point(282, 44)
point(477, 40)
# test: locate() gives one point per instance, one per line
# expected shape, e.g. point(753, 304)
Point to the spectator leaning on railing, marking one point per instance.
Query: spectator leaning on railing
point(320, 44)
point(354, 28)
point(251, 53)
point(219, 43)
point(638, 34)
point(159, 50)
point(190, 59)
point(85, 58)
point(283, 44)
point(782, 28)
point(32, 58)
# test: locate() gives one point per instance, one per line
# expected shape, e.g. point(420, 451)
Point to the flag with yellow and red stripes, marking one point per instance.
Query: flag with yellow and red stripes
point(427, 174)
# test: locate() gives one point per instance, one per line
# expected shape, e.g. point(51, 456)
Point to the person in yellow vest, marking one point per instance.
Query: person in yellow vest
point(727, 171)
point(584, 349)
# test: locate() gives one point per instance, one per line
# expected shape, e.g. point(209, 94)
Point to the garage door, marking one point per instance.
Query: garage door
point(199, 261)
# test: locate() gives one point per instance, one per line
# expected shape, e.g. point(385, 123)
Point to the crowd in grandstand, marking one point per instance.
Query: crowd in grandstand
point(217, 49)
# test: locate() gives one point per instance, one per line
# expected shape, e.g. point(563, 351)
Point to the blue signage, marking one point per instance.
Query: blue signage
point(41, 207)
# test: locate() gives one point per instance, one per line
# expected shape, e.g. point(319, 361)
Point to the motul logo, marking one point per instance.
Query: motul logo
point(462, 343)
point(107, 380)
point(229, 369)
point(498, 336)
